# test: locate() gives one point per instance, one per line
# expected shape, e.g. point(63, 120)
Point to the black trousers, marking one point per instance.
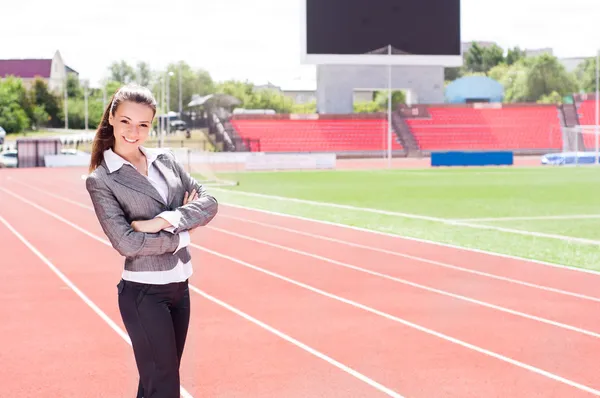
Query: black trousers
point(156, 318)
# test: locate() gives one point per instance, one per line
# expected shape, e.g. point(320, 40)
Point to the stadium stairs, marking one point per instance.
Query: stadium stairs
point(568, 116)
point(586, 112)
point(405, 135)
point(403, 129)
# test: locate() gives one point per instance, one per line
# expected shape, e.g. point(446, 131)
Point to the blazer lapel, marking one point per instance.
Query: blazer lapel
point(130, 178)
point(169, 177)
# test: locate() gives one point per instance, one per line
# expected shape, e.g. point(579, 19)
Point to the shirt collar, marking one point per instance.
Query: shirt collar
point(114, 161)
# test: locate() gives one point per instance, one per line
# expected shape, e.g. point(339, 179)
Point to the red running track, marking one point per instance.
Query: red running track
point(424, 325)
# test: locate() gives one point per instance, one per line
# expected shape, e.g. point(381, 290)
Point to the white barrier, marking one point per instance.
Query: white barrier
point(291, 161)
point(258, 160)
point(67, 160)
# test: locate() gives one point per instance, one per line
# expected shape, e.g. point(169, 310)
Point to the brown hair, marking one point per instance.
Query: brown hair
point(104, 138)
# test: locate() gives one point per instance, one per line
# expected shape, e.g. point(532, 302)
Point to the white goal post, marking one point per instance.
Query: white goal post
point(581, 145)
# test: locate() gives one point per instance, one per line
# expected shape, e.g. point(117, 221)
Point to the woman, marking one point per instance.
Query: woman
point(147, 204)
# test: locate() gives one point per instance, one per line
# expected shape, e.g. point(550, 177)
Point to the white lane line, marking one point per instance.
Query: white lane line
point(78, 291)
point(423, 329)
point(412, 239)
point(299, 344)
point(413, 284)
point(261, 324)
point(390, 235)
point(564, 238)
point(432, 262)
point(437, 263)
point(416, 258)
point(533, 218)
point(531, 368)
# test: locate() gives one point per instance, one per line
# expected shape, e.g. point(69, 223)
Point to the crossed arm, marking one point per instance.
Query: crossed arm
point(167, 220)
point(122, 236)
point(198, 209)
point(166, 233)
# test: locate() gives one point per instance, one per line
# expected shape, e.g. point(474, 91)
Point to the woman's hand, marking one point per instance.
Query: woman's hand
point(190, 198)
point(157, 224)
point(150, 226)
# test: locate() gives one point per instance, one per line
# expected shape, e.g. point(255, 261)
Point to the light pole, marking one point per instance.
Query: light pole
point(169, 74)
point(85, 99)
point(389, 110)
point(180, 94)
point(597, 103)
point(66, 102)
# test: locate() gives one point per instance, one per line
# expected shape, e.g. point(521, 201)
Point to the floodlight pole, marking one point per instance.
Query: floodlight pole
point(66, 106)
point(169, 74)
point(597, 158)
point(163, 89)
point(389, 110)
point(85, 99)
point(180, 92)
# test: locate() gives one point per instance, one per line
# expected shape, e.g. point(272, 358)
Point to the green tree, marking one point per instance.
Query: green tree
point(74, 88)
point(111, 87)
point(381, 97)
point(270, 99)
point(306, 108)
point(40, 117)
point(542, 78)
point(547, 75)
point(492, 56)
point(77, 112)
point(47, 101)
point(143, 74)
point(122, 72)
point(513, 55)
point(552, 98)
point(586, 74)
point(241, 90)
point(193, 82)
point(474, 58)
point(367, 107)
point(451, 74)
point(256, 99)
point(13, 96)
point(480, 59)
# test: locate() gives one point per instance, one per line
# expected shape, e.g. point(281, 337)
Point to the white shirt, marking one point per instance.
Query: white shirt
point(182, 271)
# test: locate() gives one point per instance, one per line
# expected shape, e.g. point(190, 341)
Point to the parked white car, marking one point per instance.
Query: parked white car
point(8, 158)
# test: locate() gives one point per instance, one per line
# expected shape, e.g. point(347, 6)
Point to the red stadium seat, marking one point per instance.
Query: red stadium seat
point(507, 128)
point(337, 135)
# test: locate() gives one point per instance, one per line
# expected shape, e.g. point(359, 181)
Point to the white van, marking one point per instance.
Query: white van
point(2, 135)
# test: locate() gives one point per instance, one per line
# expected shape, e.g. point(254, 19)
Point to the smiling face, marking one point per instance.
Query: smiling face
point(131, 126)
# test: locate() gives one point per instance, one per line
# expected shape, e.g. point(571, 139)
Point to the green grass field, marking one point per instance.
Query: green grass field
point(444, 204)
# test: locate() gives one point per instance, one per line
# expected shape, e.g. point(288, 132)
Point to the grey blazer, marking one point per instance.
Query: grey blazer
point(124, 196)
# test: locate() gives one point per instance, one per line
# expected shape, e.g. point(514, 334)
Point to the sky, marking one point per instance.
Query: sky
point(256, 40)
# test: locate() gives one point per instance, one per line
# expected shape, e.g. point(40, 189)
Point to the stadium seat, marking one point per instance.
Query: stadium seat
point(507, 128)
point(338, 135)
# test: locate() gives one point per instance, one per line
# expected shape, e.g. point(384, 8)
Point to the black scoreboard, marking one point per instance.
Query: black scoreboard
point(354, 27)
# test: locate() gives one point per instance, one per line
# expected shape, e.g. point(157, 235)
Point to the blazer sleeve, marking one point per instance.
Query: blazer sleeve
point(199, 212)
point(122, 236)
